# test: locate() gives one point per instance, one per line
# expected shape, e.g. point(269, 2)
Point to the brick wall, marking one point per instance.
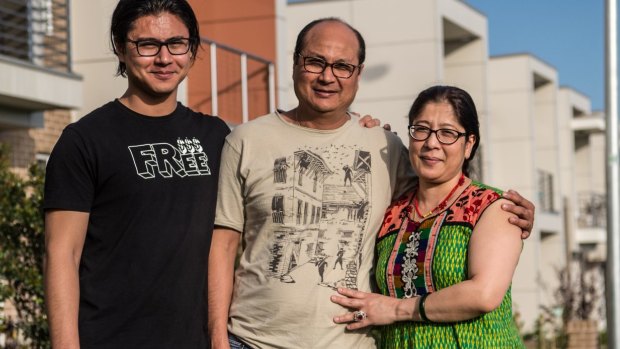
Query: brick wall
point(26, 143)
point(45, 138)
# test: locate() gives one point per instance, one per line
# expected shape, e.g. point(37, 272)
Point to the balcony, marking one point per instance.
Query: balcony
point(36, 31)
point(241, 88)
point(591, 218)
point(592, 210)
point(546, 192)
point(548, 217)
point(35, 61)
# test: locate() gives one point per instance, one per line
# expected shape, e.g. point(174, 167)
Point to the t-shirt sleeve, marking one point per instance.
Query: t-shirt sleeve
point(229, 212)
point(69, 175)
point(405, 176)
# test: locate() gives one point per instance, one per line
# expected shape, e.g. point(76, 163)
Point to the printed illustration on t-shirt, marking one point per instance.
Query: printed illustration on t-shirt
point(319, 212)
point(166, 160)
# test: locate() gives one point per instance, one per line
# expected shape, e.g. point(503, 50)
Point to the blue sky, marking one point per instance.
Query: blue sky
point(567, 34)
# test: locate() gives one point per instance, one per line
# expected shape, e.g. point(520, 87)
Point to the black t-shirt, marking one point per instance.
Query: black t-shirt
point(149, 184)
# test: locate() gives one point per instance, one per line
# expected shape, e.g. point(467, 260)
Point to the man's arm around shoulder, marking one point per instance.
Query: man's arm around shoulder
point(222, 257)
point(65, 232)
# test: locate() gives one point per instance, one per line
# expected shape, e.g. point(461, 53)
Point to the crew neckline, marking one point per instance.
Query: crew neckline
point(347, 124)
point(140, 116)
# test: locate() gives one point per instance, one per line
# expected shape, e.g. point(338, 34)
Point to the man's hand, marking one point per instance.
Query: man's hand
point(524, 209)
point(369, 122)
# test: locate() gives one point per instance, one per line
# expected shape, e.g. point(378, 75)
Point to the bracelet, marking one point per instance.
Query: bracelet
point(421, 308)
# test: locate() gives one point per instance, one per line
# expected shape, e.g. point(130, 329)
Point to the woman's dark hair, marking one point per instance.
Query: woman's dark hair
point(464, 110)
point(128, 11)
point(301, 38)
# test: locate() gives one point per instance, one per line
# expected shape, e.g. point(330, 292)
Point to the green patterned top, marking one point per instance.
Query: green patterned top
point(417, 258)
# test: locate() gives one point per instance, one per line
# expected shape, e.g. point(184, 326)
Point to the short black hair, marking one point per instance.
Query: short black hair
point(464, 110)
point(128, 11)
point(301, 38)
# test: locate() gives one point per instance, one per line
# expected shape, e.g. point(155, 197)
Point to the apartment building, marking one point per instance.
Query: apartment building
point(587, 233)
point(39, 86)
point(538, 138)
point(523, 91)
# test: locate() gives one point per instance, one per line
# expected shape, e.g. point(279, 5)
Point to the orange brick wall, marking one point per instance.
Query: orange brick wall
point(247, 25)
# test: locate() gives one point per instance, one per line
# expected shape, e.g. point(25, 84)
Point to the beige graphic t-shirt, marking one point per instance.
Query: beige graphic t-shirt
point(309, 203)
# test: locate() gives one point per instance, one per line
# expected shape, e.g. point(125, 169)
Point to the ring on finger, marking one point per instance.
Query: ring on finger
point(359, 316)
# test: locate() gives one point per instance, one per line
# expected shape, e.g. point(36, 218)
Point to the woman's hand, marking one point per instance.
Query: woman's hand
point(379, 309)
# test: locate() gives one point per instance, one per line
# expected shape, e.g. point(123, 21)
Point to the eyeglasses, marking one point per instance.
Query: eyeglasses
point(444, 135)
point(317, 65)
point(150, 48)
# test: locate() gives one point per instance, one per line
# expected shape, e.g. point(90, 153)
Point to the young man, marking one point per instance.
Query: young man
point(129, 198)
point(285, 197)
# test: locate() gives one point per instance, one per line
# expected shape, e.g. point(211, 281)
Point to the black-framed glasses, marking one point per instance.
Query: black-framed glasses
point(444, 135)
point(318, 65)
point(150, 47)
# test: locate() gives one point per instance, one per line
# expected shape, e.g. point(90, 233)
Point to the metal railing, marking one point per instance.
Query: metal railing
point(36, 31)
point(592, 210)
point(251, 68)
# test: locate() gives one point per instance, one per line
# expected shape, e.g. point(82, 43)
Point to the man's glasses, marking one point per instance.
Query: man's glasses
point(318, 65)
point(444, 135)
point(150, 48)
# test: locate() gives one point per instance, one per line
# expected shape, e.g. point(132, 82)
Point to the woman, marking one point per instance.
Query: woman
point(446, 252)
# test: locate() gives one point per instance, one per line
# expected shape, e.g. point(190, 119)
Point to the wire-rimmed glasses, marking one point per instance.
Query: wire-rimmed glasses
point(318, 65)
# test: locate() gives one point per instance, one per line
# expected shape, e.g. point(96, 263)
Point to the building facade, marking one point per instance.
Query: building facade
point(38, 90)
point(39, 87)
point(537, 137)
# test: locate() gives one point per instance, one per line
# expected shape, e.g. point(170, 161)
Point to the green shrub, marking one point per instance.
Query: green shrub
point(22, 247)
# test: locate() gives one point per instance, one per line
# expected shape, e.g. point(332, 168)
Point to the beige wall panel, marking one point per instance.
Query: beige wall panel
point(526, 292)
point(397, 71)
point(552, 260)
point(509, 73)
point(396, 21)
point(392, 111)
point(513, 165)
point(470, 77)
point(510, 115)
point(90, 29)
point(100, 84)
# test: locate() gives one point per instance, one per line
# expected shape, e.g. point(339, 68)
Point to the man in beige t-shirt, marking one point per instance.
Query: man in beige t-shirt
point(305, 191)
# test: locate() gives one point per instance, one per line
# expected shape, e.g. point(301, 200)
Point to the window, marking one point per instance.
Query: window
point(41, 159)
point(279, 170)
point(277, 209)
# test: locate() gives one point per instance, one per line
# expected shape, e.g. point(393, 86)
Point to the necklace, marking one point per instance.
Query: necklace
point(441, 205)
